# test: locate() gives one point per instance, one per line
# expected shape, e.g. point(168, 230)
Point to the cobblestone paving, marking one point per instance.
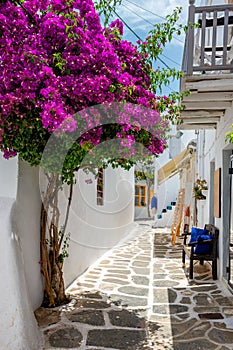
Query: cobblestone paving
point(138, 296)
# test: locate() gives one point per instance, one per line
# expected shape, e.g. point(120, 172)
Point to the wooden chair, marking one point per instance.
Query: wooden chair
point(188, 249)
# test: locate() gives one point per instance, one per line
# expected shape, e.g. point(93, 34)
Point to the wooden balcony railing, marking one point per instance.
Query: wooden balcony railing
point(209, 48)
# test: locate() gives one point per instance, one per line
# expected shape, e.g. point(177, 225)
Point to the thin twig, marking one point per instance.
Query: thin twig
point(67, 215)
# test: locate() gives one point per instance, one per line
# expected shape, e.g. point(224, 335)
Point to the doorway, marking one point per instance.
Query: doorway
point(230, 277)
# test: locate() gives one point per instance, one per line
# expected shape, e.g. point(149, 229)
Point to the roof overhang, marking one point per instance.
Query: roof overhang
point(173, 166)
point(210, 96)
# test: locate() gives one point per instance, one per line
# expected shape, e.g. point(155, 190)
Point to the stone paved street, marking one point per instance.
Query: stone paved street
point(138, 296)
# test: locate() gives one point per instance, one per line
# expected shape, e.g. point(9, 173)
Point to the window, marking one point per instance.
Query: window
point(140, 196)
point(100, 187)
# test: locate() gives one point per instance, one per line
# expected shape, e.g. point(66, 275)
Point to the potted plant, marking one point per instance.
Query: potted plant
point(198, 188)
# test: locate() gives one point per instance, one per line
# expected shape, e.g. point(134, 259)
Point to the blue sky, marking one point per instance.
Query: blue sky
point(141, 16)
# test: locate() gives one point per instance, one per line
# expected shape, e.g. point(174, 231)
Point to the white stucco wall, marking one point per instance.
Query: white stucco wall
point(96, 228)
point(168, 192)
point(212, 146)
point(8, 177)
point(26, 224)
point(18, 327)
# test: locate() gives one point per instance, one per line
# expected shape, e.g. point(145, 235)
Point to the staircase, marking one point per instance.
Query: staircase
point(165, 219)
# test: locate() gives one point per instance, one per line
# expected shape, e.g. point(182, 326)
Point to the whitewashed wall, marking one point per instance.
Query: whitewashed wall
point(214, 150)
point(169, 189)
point(168, 192)
point(95, 229)
point(8, 177)
point(18, 327)
point(26, 224)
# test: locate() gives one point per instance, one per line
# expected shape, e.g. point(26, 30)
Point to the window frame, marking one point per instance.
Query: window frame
point(139, 196)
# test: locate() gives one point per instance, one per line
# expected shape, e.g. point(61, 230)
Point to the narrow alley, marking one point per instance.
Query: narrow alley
point(138, 296)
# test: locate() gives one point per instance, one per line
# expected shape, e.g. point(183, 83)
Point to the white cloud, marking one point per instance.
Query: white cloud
point(141, 16)
point(149, 9)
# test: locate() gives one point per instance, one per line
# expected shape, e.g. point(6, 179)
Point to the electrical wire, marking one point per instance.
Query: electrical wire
point(138, 37)
point(168, 58)
point(155, 14)
point(146, 20)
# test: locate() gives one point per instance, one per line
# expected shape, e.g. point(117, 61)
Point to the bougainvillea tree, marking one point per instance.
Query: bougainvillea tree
point(57, 62)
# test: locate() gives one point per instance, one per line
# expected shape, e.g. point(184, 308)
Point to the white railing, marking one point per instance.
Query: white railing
point(209, 47)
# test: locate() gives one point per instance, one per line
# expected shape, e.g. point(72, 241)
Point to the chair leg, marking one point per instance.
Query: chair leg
point(201, 262)
point(214, 269)
point(191, 269)
point(183, 257)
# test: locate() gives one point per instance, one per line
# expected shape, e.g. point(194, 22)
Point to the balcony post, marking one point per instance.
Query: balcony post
point(190, 37)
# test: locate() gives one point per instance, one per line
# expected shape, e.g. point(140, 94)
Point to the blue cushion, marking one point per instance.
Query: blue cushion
point(196, 232)
point(203, 248)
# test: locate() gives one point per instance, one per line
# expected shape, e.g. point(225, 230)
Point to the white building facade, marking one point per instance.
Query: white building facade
point(94, 229)
point(209, 76)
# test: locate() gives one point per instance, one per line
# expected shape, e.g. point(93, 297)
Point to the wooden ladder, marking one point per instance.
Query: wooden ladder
point(178, 215)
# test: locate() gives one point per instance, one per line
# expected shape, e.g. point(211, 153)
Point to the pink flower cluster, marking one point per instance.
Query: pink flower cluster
point(56, 60)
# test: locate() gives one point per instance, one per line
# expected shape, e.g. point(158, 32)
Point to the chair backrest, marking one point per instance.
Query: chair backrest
point(213, 230)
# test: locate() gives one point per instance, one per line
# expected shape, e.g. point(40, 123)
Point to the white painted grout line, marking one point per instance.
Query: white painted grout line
point(151, 279)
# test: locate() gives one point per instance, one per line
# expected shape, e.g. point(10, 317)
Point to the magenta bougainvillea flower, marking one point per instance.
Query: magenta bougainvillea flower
point(56, 60)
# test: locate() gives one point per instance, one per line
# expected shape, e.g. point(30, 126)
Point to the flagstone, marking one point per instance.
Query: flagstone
point(141, 271)
point(138, 263)
point(204, 299)
point(125, 318)
point(221, 336)
point(197, 344)
point(115, 281)
point(115, 275)
point(164, 283)
point(115, 338)
point(197, 331)
point(46, 317)
point(67, 338)
point(224, 301)
point(128, 300)
point(138, 291)
point(122, 271)
point(92, 317)
point(140, 280)
point(92, 304)
point(179, 327)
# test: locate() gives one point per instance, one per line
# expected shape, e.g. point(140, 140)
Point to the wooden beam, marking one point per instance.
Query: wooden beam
point(201, 77)
point(210, 85)
point(203, 113)
point(196, 126)
point(200, 120)
point(207, 105)
point(208, 96)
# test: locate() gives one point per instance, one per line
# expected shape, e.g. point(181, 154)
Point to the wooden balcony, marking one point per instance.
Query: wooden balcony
point(207, 66)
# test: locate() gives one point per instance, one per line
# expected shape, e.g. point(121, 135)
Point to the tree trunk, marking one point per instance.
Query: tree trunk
point(51, 244)
point(148, 201)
